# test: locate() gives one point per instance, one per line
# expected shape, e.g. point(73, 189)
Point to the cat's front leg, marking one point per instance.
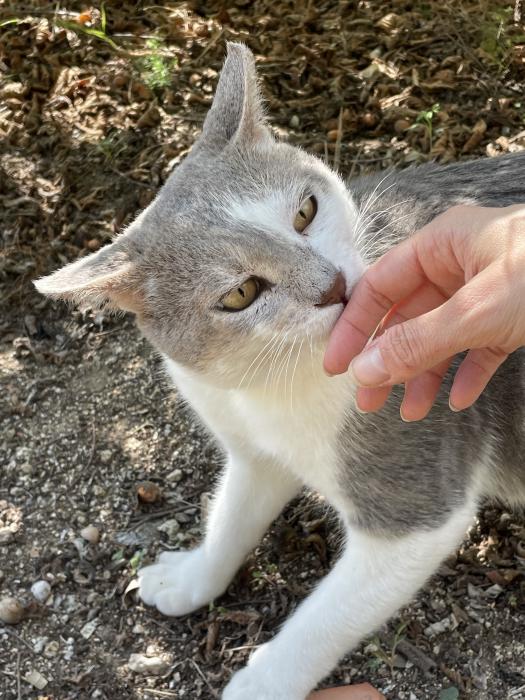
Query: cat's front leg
point(252, 492)
point(374, 577)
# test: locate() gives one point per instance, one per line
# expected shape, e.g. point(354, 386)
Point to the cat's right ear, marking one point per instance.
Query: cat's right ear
point(109, 278)
point(236, 114)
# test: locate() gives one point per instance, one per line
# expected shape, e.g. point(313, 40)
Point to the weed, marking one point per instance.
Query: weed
point(494, 39)
point(426, 117)
point(386, 656)
point(156, 67)
point(111, 145)
point(136, 561)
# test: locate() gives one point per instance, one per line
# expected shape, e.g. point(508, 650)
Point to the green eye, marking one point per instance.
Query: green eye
point(306, 214)
point(242, 296)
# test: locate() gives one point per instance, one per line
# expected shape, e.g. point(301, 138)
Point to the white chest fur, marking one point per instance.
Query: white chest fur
point(299, 431)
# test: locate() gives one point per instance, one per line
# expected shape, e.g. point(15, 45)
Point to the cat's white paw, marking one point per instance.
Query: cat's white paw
point(260, 680)
point(179, 583)
point(249, 683)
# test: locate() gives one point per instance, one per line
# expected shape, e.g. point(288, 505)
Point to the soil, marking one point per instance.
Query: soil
point(97, 106)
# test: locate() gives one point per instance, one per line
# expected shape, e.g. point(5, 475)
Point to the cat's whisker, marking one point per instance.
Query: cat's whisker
point(363, 222)
point(370, 202)
point(311, 351)
point(275, 358)
point(287, 367)
point(376, 215)
point(373, 197)
point(369, 247)
point(293, 374)
point(280, 370)
point(271, 357)
point(255, 360)
point(261, 362)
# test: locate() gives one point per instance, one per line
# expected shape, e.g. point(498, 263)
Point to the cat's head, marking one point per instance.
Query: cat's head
point(248, 245)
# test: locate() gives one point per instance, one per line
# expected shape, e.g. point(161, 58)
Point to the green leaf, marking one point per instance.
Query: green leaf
point(136, 560)
point(13, 20)
point(118, 556)
point(87, 30)
point(103, 17)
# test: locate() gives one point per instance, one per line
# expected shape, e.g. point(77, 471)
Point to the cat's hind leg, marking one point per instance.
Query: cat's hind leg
point(373, 578)
point(252, 492)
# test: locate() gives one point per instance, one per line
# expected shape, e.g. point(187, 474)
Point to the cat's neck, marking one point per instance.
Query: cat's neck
point(288, 391)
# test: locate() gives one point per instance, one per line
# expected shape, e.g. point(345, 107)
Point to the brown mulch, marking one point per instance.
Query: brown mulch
point(97, 105)
point(92, 125)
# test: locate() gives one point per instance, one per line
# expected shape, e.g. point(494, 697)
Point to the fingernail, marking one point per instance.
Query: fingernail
point(369, 369)
point(452, 407)
point(359, 409)
point(403, 417)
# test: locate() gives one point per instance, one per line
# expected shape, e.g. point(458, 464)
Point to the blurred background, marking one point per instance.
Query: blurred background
point(98, 103)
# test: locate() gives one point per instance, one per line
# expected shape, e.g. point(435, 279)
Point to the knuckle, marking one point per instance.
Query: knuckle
point(403, 350)
point(372, 293)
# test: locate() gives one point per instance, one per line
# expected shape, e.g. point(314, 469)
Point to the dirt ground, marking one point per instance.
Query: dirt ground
point(96, 107)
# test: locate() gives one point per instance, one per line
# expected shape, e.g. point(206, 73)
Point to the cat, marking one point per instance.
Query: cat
point(237, 272)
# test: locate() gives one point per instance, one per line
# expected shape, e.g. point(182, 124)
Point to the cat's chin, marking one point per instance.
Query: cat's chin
point(322, 324)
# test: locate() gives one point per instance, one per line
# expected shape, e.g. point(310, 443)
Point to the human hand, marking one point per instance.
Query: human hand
point(457, 284)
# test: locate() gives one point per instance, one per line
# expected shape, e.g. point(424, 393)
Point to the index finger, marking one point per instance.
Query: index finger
point(394, 277)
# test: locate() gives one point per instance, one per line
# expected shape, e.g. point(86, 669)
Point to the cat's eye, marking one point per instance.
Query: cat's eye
point(306, 214)
point(242, 296)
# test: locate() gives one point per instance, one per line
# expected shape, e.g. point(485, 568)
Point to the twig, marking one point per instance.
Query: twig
point(337, 151)
point(211, 43)
point(355, 161)
point(18, 683)
point(93, 445)
point(201, 674)
point(416, 656)
point(16, 636)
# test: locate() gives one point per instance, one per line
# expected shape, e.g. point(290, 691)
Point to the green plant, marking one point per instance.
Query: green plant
point(156, 67)
point(426, 117)
point(136, 561)
point(494, 39)
point(386, 656)
point(111, 145)
point(81, 28)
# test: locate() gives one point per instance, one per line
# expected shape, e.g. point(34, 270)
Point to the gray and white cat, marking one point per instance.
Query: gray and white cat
point(237, 273)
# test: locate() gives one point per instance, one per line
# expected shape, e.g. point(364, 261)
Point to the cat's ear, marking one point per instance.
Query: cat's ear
point(109, 277)
point(236, 113)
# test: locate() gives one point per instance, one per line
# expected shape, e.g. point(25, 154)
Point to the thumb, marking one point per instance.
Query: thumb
point(407, 349)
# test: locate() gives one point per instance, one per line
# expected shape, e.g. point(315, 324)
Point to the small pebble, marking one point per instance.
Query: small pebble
point(148, 492)
point(89, 628)
point(41, 590)
point(36, 679)
point(149, 665)
point(92, 244)
point(11, 611)
point(51, 649)
point(105, 456)
point(6, 535)
point(170, 528)
point(90, 533)
point(175, 475)
point(294, 121)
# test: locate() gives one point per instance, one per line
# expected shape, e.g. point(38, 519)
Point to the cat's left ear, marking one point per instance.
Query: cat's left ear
point(109, 277)
point(236, 114)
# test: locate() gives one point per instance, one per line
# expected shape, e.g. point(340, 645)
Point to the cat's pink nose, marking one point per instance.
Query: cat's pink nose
point(336, 293)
